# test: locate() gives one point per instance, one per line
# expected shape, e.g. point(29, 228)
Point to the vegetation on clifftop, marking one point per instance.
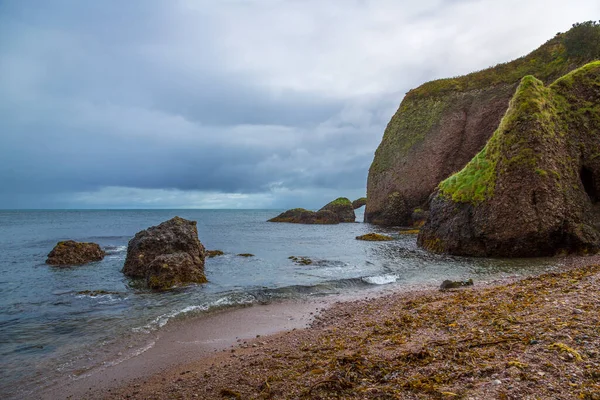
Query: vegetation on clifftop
point(547, 63)
point(422, 108)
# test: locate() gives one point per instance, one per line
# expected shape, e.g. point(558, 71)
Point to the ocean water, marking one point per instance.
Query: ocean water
point(49, 331)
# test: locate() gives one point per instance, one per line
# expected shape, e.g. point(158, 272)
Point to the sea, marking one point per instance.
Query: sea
point(51, 328)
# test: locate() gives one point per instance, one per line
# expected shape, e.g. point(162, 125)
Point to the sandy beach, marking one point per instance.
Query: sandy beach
point(525, 338)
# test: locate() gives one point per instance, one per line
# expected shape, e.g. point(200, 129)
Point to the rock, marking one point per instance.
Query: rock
point(419, 216)
point(302, 216)
point(447, 284)
point(358, 203)
point(374, 237)
point(175, 269)
point(246, 255)
point(301, 260)
point(166, 255)
point(534, 189)
point(213, 253)
point(443, 124)
point(70, 252)
point(342, 208)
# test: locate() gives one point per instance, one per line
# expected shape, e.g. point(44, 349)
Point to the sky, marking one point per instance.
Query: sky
point(229, 103)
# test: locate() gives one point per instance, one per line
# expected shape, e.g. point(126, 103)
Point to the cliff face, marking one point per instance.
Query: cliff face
point(534, 189)
point(442, 124)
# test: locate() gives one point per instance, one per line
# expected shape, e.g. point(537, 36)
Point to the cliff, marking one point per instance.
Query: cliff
point(534, 189)
point(442, 124)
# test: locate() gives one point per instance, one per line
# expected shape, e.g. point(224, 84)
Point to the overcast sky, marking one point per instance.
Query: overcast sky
point(229, 103)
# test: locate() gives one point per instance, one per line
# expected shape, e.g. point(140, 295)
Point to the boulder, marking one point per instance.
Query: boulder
point(443, 124)
point(70, 252)
point(358, 203)
point(534, 189)
point(448, 284)
point(166, 255)
point(342, 208)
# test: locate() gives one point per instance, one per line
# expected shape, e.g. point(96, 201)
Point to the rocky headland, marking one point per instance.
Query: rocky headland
point(534, 188)
point(166, 255)
point(441, 125)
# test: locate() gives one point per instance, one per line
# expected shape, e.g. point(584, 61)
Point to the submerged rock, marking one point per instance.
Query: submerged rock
point(342, 208)
point(534, 189)
point(443, 124)
point(70, 252)
point(374, 237)
point(358, 203)
point(245, 255)
point(448, 284)
point(167, 255)
point(214, 253)
point(95, 293)
point(301, 260)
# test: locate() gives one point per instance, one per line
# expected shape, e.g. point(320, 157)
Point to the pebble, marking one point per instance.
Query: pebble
point(497, 382)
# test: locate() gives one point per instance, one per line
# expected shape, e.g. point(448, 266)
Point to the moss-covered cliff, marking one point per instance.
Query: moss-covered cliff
point(442, 124)
point(534, 189)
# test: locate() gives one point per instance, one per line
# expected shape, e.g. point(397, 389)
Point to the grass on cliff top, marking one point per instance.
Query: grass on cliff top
point(423, 107)
point(553, 59)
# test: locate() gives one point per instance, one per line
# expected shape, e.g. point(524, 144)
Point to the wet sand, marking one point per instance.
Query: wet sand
point(183, 342)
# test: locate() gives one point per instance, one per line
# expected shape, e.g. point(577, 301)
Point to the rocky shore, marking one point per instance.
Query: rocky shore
point(521, 339)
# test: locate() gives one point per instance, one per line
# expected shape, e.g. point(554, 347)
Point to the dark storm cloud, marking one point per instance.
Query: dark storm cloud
point(230, 103)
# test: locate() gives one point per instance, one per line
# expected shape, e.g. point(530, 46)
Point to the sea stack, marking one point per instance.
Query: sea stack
point(167, 255)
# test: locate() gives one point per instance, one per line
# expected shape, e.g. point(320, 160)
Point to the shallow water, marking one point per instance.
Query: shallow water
point(48, 330)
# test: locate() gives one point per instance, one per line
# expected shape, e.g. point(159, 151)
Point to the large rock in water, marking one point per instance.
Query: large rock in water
point(339, 210)
point(443, 124)
point(302, 216)
point(166, 255)
point(534, 189)
point(70, 252)
point(342, 207)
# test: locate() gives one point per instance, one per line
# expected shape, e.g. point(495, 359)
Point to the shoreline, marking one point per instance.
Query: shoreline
point(200, 344)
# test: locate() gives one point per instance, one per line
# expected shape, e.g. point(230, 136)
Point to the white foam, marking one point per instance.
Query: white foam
point(163, 319)
point(381, 279)
point(116, 249)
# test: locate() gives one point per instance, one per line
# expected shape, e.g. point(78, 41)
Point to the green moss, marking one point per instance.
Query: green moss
point(476, 181)
point(374, 237)
point(341, 201)
point(536, 114)
point(410, 124)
